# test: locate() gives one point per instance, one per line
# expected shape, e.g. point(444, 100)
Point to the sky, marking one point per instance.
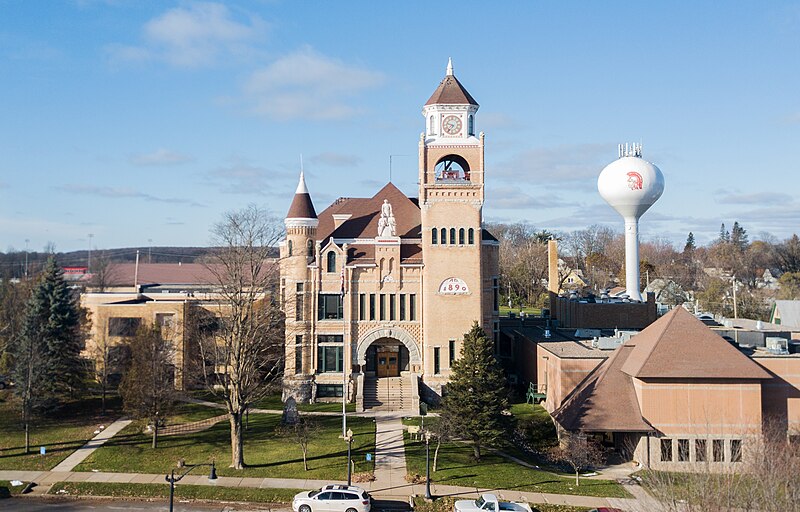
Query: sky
point(140, 123)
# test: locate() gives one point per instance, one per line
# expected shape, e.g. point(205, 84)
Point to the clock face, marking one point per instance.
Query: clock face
point(451, 125)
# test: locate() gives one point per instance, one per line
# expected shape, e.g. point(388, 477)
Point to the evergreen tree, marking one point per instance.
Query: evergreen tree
point(46, 354)
point(690, 244)
point(739, 236)
point(476, 395)
point(724, 236)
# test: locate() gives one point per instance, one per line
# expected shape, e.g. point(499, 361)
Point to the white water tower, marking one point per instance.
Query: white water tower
point(631, 185)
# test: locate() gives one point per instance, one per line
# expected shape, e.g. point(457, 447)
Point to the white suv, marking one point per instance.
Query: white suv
point(333, 498)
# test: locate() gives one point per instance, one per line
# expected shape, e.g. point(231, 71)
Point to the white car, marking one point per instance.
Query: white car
point(333, 498)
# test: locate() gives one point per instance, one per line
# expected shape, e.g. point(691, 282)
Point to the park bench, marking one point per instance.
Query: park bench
point(536, 394)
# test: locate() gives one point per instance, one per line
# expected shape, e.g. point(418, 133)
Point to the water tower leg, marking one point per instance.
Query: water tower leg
point(632, 259)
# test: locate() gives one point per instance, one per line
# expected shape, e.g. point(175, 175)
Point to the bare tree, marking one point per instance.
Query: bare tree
point(108, 359)
point(302, 432)
point(244, 355)
point(579, 451)
point(104, 271)
point(148, 385)
point(442, 431)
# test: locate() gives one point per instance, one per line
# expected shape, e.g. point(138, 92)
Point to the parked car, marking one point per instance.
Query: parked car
point(333, 498)
point(490, 503)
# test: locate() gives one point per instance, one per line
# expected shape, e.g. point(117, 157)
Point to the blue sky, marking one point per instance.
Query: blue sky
point(145, 121)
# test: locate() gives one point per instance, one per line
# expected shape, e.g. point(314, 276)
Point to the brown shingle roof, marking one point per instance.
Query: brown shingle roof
point(678, 345)
point(605, 401)
point(365, 213)
point(451, 92)
point(302, 207)
point(122, 274)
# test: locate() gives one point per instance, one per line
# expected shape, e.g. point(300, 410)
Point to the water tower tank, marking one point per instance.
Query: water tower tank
point(631, 185)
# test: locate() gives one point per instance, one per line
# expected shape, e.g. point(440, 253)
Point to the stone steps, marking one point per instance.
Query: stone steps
point(387, 394)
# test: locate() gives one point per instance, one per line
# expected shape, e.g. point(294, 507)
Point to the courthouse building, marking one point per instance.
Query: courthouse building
point(379, 291)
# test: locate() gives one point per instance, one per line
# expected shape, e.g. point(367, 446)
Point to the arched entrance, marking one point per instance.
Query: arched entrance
point(387, 352)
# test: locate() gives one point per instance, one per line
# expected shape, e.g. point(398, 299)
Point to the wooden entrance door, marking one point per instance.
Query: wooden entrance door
point(388, 364)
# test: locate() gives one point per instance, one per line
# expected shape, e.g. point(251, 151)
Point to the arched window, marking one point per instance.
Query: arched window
point(451, 167)
point(452, 236)
point(471, 236)
point(461, 236)
point(290, 247)
point(310, 249)
point(430, 127)
point(471, 125)
point(331, 261)
point(444, 236)
point(434, 236)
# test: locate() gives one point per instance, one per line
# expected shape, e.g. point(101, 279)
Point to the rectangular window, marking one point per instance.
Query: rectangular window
point(383, 307)
point(436, 361)
point(330, 338)
point(392, 307)
point(496, 292)
point(165, 320)
point(402, 307)
point(372, 306)
point(362, 306)
point(683, 450)
point(298, 353)
point(329, 390)
point(718, 448)
point(736, 450)
point(412, 307)
point(122, 326)
point(329, 358)
point(452, 347)
point(700, 450)
point(331, 306)
point(299, 303)
point(666, 450)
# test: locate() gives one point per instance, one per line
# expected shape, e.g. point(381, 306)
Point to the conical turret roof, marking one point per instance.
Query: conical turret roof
point(450, 91)
point(302, 207)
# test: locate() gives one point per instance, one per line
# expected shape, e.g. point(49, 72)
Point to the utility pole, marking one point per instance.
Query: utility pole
point(735, 307)
point(27, 240)
point(150, 251)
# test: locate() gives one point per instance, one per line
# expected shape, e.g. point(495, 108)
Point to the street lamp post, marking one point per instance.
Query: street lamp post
point(427, 465)
point(349, 439)
point(171, 478)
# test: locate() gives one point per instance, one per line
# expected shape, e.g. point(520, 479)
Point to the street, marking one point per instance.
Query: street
point(75, 505)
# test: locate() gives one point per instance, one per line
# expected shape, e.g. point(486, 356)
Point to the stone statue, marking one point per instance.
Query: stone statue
point(387, 226)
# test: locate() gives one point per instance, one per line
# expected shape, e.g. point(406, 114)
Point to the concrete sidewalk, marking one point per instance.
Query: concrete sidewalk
point(96, 442)
point(390, 456)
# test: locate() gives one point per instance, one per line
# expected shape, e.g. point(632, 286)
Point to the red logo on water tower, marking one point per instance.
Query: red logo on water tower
point(634, 180)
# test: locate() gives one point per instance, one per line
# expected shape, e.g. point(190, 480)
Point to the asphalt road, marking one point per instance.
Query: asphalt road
point(73, 505)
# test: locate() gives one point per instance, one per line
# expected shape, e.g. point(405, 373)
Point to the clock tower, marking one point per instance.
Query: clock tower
point(457, 274)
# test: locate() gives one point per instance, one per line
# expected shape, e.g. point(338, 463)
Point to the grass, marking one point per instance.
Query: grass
point(266, 454)
point(536, 423)
point(447, 505)
point(195, 492)
point(505, 310)
point(456, 466)
point(7, 490)
point(60, 433)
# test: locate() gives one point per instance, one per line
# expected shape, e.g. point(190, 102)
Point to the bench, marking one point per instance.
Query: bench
point(535, 394)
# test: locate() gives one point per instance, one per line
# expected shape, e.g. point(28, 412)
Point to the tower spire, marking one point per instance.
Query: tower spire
point(449, 66)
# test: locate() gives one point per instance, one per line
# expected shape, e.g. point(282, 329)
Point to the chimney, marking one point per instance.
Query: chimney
point(552, 266)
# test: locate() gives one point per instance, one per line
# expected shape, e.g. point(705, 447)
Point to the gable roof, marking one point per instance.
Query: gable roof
point(678, 345)
point(451, 92)
point(605, 401)
point(788, 312)
point(365, 212)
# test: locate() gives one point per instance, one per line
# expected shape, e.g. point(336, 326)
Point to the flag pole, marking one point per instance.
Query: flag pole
point(344, 351)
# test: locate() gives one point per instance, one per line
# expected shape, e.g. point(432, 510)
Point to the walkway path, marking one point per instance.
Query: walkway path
point(390, 456)
point(96, 442)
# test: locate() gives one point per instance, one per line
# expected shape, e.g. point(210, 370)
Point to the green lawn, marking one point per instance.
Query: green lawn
point(60, 433)
point(7, 490)
point(196, 492)
point(457, 466)
point(537, 424)
point(274, 402)
point(266, 454)
point(505, 310)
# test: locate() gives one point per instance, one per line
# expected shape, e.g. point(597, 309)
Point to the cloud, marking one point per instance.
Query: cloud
point(336, 159)
point(194, 35)
point(753, 198)
point(243, 178)
point(121, 193)
point(160, 157)
point(577, 165)
point(511, 198)
point(308, 85)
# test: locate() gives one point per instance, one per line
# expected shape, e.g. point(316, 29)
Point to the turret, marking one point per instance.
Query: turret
point(301, 223)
